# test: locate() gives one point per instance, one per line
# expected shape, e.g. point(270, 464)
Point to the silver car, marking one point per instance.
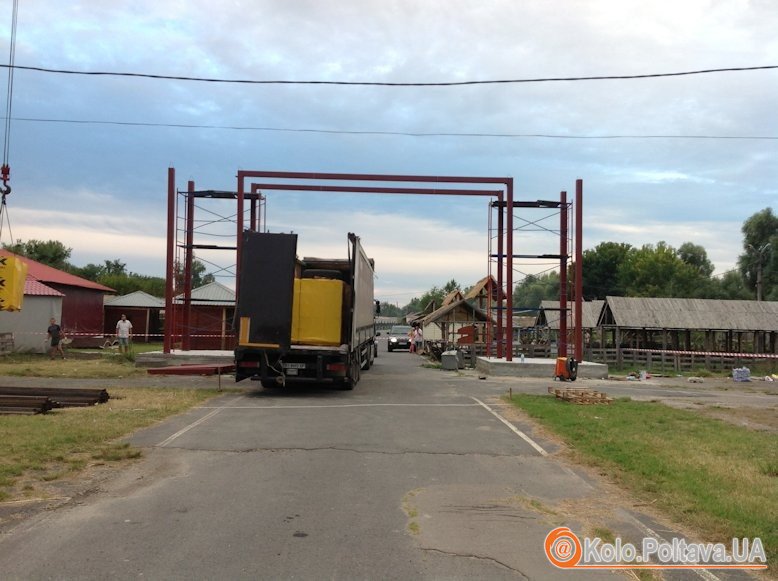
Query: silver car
point(399, 337)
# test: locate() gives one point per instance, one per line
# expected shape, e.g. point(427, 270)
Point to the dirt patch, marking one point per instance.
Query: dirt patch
point(759, 419)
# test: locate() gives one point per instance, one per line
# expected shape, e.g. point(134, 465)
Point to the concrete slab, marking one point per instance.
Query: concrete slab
point(536, 367)
point(178, 357)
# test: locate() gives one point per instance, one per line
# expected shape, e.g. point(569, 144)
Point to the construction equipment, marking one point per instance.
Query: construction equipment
point(566, 369)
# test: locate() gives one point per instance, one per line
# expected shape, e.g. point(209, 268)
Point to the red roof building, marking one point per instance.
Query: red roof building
point(82, 304)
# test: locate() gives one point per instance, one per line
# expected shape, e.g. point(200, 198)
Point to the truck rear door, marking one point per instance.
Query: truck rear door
point(266, 290)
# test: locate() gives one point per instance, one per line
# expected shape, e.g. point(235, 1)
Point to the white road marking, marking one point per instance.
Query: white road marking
point(194, 424)
point(513, 428)
point(345, 405)
point(704, 573)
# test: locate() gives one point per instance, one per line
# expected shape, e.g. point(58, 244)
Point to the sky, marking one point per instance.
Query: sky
point(89, 154)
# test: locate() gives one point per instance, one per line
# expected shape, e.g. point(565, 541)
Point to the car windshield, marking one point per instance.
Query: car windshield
point(400, 330)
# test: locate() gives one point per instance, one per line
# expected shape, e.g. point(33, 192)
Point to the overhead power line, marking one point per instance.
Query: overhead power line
point(389, 84)
point(388, 133)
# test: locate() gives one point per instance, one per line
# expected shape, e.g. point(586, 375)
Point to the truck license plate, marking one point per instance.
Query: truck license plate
point(294, 365)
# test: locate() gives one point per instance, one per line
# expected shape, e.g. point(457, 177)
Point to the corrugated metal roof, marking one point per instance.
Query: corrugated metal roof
point(590, 313)
point(214, 293)
point(700, 314)
point(137, 299)
point(36, 288)
point(50, 275)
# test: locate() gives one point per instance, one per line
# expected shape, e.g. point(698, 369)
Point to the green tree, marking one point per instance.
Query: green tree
point(50, 252)
point(450, 286)
point(658, 271)
point(199, 277)
point(390, 310)
point(90, 272)
point(697, 257)
point(601, 267)
point(536, 288)
point(130, 282)
point(114, 267)
point(760, 253)
point(731, 286)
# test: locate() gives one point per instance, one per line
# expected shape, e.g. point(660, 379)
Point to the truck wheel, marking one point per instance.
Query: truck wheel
point(269, 383)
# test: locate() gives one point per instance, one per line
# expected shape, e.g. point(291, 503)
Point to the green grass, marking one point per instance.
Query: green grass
point(44, 448)
point(109, 366)
point(713, 476)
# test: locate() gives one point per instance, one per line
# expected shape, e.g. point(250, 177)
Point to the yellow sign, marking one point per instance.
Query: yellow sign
point(13, 272)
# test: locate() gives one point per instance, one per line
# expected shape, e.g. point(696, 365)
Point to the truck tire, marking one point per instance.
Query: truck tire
point(269, 383)
point(322, 273)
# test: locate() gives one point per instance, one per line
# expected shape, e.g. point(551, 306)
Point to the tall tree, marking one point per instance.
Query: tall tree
point(199, 277)
point(658, 271)
point(601, 267)
point(759, 262)
point(732, 286)
point(50, 252)
point(114, 267)
point(697, 257)
point(536, 288)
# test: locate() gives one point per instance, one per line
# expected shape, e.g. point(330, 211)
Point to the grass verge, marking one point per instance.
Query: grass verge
point(45, 448)
point(21, 365)
point(718, 478)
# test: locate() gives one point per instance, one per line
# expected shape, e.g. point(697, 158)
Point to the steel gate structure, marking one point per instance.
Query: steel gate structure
point(501, 189)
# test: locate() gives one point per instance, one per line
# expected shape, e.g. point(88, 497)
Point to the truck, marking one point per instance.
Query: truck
point(303, 320)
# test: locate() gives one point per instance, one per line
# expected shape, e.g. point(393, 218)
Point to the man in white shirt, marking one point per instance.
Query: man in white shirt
point(124, 334)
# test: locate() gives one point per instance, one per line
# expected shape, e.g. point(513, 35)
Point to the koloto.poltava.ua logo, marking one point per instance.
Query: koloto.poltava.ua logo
point(565, 550)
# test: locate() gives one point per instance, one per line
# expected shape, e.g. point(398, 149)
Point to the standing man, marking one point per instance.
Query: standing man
point(54, 333)
point(124, 334)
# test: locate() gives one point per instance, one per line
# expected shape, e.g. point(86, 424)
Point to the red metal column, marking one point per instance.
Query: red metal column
point(186, 339)
point(169, 270)
point(509, 273)
point(562, 345)
point(239, 241)
point(579, 347)
point(500, 264)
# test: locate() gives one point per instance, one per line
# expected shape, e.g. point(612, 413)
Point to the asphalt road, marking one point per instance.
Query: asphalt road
point(416, 474)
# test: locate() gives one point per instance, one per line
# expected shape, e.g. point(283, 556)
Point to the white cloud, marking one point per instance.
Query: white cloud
point(103, 189)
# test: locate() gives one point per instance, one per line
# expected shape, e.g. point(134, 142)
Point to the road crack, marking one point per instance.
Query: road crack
point(477, 557)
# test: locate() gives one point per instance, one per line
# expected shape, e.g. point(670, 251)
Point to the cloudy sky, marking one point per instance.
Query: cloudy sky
point(89, 154)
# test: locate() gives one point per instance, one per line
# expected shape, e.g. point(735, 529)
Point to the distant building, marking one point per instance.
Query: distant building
point(211, 317)
point(25, 330)
point(82, 316)
point(143, 310)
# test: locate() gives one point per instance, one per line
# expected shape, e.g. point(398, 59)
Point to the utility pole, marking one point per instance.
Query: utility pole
point(760, 254)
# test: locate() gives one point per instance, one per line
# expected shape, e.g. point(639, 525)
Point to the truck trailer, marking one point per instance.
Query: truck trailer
point(303, 320)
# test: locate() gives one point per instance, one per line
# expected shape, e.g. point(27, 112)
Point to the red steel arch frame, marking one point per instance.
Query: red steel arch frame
point(505, 239)
point(505, 255)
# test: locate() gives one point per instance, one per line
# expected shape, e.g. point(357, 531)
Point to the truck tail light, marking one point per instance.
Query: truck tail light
point(336, 367)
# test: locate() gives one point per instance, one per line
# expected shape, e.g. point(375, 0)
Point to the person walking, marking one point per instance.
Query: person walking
point(412, 340)
point(124, 334)
point(419, 340)
point(55, 336)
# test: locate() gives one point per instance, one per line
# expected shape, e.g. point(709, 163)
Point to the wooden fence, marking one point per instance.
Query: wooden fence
point(656, 360)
